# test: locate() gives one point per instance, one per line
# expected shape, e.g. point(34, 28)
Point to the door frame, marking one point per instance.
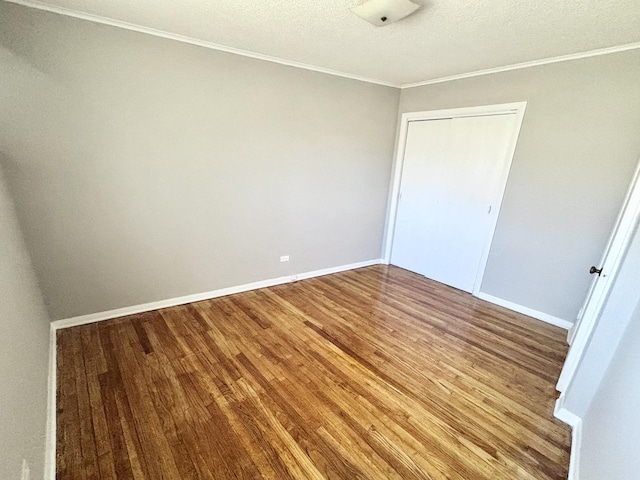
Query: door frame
point(396, 179)
point(580, 335)
point(610, 248)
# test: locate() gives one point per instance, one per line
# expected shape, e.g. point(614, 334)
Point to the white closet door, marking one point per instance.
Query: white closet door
point(453, 173)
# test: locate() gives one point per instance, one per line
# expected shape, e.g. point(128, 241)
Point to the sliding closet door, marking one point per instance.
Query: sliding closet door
point(453, 173)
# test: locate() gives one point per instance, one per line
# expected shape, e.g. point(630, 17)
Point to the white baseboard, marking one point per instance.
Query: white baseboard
point(576, 445)
point(172, 302)
point(575, 422)
point(50, 442)
point(545, 317)
point(340, 268)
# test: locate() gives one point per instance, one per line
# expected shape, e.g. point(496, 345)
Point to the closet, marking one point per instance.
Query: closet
point(453, 174)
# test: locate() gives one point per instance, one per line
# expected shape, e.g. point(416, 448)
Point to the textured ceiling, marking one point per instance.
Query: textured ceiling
point(443, 38)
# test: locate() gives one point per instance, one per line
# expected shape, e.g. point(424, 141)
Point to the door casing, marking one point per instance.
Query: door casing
point(518, 108)
point(621, 236)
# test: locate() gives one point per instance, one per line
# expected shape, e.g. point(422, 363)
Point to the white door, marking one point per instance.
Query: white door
point(453, 174)
point(605, 272)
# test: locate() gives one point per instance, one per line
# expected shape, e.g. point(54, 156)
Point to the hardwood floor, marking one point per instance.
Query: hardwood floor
point(374, 373)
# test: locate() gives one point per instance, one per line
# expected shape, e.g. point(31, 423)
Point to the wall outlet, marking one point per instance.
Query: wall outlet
point(26, 474)
point(284, 258)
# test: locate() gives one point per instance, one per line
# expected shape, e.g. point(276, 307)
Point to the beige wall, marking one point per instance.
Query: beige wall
point(577, 149)
point(24, 352)
point(145, 169)
point(611, 426)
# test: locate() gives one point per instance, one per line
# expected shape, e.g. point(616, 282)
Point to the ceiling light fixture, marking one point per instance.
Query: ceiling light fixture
point(384, 12)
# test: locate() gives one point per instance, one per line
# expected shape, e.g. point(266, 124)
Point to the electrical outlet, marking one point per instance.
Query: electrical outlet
point(25, 470)
point(284, 258)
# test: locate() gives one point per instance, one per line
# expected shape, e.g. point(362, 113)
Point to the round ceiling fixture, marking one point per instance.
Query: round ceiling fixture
point(384, 12)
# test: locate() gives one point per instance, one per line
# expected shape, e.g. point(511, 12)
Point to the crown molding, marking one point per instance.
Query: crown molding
point(193, 41)
point(290, 63)
point(533, 63)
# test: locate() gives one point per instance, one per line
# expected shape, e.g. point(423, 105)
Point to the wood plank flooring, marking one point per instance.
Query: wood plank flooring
point(374, 373)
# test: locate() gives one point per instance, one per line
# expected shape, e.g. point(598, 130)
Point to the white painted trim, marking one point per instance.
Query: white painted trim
point(193, 41)
point(563, 414)
point(26, 471)
point(610, 243)
point(576, 448)
point(532, 63)
point(338, 269)
point(172, 302)
point(518, 108)
point(545, 317)
point(575, 422)
point(572, 331)
point(623, 231)
point(50, 442)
